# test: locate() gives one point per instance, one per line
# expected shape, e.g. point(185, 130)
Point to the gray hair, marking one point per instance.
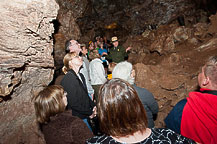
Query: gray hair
point(123, 71)
point(211, 69)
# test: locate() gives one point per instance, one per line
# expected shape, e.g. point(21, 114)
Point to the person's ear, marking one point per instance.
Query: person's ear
point(70, 63)
point(206, 81)
point(133, 74)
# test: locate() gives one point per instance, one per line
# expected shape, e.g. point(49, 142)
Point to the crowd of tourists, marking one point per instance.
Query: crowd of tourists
point(98, 101)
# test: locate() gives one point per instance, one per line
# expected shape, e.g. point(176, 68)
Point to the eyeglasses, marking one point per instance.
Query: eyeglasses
point(65, 93)
point(74, 43)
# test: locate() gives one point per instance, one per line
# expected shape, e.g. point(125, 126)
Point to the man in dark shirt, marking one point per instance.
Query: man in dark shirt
point(117, 53)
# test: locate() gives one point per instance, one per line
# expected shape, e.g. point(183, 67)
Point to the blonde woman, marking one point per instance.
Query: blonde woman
point(58, 125)
point(74, 84)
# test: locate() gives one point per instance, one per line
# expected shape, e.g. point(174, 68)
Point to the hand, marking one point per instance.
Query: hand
point(91, 96)
point(129, 48)
point(94, 113)
point(104, 53)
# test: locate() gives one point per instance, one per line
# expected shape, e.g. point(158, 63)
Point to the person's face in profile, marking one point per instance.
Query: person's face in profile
point(74, 46)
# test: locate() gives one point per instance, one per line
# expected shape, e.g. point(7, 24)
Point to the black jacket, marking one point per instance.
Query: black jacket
point(77, 96)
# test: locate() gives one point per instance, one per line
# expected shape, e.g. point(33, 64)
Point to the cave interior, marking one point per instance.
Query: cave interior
point(170, 41)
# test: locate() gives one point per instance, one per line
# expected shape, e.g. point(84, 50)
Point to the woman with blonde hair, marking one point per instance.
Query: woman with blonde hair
point(123, 119)
point(74, 84)
point(58, 125)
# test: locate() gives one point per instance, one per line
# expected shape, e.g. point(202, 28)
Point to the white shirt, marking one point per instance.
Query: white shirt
point(97, 72)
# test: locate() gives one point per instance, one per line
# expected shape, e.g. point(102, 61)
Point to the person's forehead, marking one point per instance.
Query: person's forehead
point(73, 42)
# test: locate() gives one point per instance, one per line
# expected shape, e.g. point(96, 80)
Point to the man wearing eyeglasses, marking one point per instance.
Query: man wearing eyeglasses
point(74, 46)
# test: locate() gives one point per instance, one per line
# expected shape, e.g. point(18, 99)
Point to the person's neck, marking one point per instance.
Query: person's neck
point(76, 69)
point(210, 86)
point(134, 138)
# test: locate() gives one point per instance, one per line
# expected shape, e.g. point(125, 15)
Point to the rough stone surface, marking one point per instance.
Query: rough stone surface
point(69, 12)
point(170, 71)
point(26, 61)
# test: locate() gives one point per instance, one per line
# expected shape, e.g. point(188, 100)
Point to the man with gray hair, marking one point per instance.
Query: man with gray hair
point(124, 70)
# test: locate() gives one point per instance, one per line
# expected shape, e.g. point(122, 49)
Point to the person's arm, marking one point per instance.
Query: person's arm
point(78, 130)
point(128, 49)
point(100, 71)
point(123, 51)
point(84, 71)
point(153, 105)
point(151, 102)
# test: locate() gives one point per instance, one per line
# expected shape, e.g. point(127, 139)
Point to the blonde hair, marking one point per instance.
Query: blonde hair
point(66, 59)
point(49, 102)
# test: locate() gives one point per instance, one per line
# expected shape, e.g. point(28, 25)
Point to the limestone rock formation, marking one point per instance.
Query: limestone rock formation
point(27, 65)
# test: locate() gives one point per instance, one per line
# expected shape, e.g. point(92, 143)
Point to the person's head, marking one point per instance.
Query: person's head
point(114, 41)
point(84, 49)
point(124, 70)
point(111, 66)
point(72, 46)
point(94, 54)
point(49, 102)
point(101, 39)
point(97, 38)
point(91, 45)
point(101, 45)
point(120, 110)
point(207, 78)
point(71, 61)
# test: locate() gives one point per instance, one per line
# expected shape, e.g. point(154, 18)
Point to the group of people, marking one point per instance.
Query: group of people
point(125, 112)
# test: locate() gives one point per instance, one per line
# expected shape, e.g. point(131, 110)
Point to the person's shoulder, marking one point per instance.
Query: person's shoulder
point(162, 130)
point(169, 135)
point(101, 139)
point(144, 90)
point(68, 75)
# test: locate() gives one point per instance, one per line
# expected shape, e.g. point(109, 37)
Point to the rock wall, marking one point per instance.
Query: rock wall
point(168, 60)
point(26, 65)
point(69, 12)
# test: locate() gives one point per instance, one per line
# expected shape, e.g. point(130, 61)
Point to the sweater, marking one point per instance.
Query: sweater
point(149, 103)
point(97, 72)
point(65, 129)
point(199, 117)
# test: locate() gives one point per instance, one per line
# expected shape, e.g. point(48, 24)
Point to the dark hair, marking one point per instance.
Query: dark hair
point(120, 110)
point(94, 54)
point(67, 44)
